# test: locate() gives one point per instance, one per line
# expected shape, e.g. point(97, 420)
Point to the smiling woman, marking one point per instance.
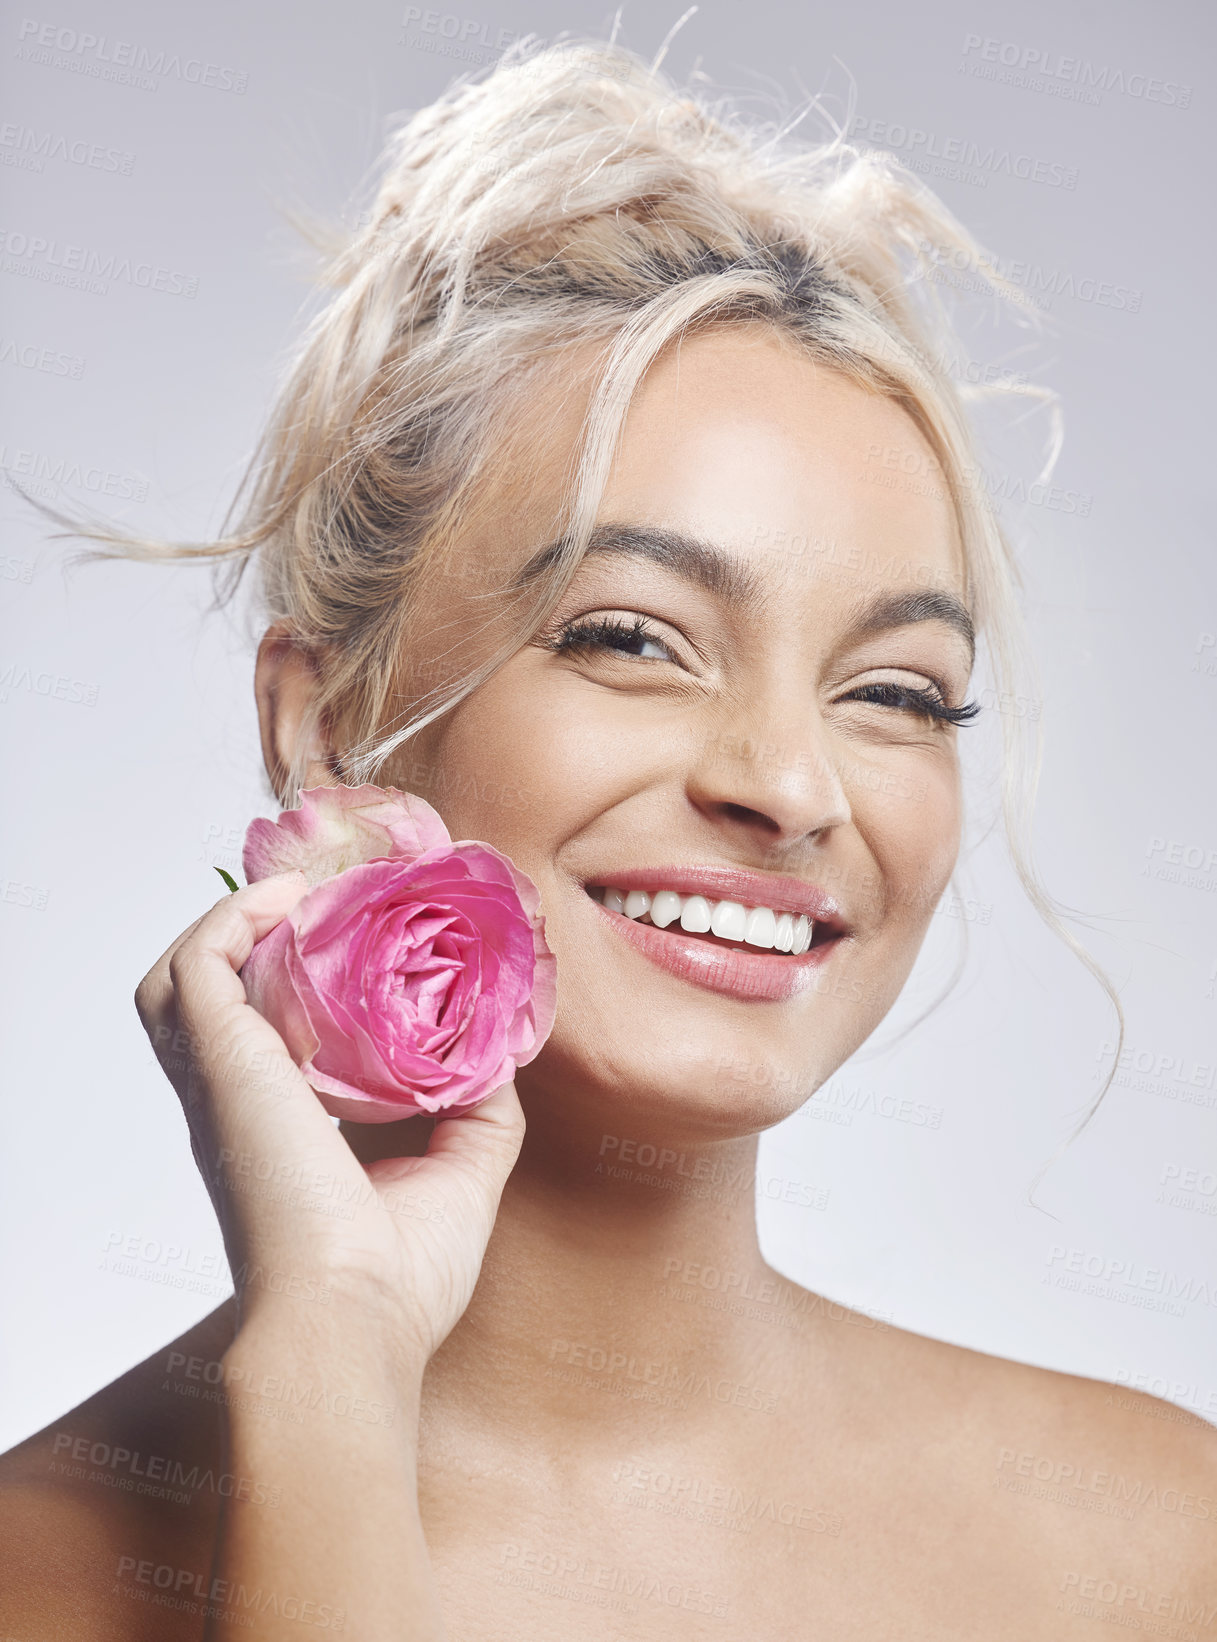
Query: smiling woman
point(567, 523)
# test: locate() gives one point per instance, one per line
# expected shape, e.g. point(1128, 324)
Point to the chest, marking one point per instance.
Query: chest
point(679, 1550)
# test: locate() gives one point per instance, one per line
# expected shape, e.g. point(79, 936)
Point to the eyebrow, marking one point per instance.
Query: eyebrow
point(724, 576)
point(684, 555)
point(907, 609)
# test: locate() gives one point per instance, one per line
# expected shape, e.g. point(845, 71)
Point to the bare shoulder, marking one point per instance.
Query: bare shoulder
point(1067, 1431)
point(1118, 1487)
point(1116, 1453)
point(110, 1511)
point(1038, 1421)
point(994, 1485)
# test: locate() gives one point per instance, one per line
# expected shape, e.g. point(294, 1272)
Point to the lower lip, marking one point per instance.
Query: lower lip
point(760, 976)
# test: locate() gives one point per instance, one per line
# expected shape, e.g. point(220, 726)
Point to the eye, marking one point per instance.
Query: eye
point(923, 700)
point(634, 638)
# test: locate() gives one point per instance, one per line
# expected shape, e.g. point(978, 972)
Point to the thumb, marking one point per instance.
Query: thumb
point(486, 1137)
point(475, 1147)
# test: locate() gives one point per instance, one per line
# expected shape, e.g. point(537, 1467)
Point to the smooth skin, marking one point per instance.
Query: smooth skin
point(465, 1463)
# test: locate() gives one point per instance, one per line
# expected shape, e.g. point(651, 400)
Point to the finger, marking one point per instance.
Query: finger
point(486, 1137)
point(155, 992)
point(257, 1097)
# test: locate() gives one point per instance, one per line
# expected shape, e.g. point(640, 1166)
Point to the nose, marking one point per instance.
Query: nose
point(771, 780)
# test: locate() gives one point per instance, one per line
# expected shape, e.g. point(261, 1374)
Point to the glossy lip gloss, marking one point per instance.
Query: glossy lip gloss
point(755, 974)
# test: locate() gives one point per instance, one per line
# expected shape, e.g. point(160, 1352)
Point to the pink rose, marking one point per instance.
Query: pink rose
point(413, 975)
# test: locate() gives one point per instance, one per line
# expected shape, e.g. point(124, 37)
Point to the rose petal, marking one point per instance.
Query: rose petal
point(337, 827)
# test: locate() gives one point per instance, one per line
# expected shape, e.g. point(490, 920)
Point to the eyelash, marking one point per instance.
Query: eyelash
point(922, 701)
point(609, 631)
point(614, 634)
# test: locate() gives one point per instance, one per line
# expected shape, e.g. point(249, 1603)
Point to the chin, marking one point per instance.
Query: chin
point(690, 1088)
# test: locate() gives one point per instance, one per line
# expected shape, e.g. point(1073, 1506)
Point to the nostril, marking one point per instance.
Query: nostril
point(749, 817)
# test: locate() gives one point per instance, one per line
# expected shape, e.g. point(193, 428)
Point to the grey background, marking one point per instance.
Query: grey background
point(128, 720)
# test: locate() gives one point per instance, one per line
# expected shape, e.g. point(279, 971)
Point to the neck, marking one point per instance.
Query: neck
point(619, 1292)
point(622, 1286)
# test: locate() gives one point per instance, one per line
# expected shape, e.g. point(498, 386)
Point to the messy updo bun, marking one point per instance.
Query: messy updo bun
point(571, 197)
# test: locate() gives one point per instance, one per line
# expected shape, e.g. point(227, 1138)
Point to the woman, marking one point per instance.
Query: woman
point(568, 523)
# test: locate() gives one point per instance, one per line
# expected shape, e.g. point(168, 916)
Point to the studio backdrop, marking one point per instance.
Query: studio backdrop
point(166, 174)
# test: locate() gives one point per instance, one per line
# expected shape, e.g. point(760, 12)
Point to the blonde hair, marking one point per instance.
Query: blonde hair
point(574, 199)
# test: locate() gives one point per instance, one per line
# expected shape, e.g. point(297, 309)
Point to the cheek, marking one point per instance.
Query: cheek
point(515, 768)
point(911, 820)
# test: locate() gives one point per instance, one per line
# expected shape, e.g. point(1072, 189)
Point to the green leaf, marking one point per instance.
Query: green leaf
point(229, 880)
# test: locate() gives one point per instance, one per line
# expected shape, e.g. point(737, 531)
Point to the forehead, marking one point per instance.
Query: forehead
point(738, 436)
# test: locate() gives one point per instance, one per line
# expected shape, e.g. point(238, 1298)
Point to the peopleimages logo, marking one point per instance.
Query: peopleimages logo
point(30, 356)
point(1165, 1073)
point(33, 256)
point(30, 147)
point(36, 471)
point(1179, 861)
point(465, 30)
point(125, 1464)
point(1040, 70)
point(1113, 1277)
point(62, 686)
point(985, 158)
point(1036, 285)
point(103, 58)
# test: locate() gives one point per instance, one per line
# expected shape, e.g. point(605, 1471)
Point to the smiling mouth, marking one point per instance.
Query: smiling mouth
point(731, 925)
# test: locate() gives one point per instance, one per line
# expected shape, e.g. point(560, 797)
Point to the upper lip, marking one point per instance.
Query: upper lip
point(750, 889)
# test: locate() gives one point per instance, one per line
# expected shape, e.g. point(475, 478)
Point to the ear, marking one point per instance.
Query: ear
point(286, 679)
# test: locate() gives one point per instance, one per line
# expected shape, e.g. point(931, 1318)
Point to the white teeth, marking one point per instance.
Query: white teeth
point(728, 920)
point(665, 908)
point(760, 928)
point(695, 915)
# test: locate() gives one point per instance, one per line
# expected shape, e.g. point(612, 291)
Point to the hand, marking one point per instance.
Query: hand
point(300, 1215)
